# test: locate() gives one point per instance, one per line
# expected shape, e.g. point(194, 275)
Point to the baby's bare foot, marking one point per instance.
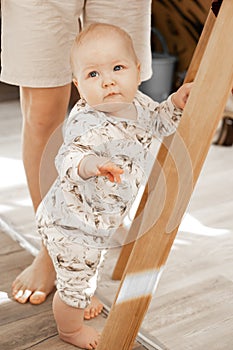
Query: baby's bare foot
point(36, 282)
point(94, 309)
point(86, 337)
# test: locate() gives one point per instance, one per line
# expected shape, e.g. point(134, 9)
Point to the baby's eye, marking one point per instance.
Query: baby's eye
point(93, 74)
point(118, 67)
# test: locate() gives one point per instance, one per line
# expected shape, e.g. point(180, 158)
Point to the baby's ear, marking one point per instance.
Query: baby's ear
point(75, 81)
point(139, 72)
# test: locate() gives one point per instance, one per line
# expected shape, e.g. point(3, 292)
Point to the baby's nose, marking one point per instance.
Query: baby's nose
point(108, 81)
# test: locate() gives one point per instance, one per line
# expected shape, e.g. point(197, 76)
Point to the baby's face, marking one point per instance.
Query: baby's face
point(107, 72)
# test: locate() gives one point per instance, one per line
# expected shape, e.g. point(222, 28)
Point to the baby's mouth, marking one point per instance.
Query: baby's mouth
point(112, 94)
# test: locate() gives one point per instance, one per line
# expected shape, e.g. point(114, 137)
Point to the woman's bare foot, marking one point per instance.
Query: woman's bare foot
point(86, 337)
point(94, 309)
point(36, 282)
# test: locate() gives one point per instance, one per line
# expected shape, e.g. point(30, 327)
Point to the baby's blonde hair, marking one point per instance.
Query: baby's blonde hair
point(99, 29)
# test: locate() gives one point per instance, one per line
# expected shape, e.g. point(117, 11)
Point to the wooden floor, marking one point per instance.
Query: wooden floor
point(193, 305)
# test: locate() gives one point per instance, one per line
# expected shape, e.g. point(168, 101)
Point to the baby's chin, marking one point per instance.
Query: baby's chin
point(112, 107)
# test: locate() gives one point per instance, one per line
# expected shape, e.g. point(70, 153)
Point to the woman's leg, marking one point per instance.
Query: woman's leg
point(43, 110)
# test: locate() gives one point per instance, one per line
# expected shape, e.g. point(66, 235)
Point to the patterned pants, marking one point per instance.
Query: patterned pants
point(76, 262)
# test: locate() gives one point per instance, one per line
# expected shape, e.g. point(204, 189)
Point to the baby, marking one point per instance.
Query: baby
point(105, 158)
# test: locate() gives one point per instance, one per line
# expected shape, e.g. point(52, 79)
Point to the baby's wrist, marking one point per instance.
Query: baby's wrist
point(88, 166)
point(85, 168)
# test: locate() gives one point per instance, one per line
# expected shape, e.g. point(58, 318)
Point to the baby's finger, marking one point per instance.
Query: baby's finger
point(118, 179)
point(112, 168)
point(110, 177)
point(118, 171)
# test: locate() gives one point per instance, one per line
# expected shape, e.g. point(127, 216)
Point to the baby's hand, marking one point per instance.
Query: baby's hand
point(111, 171)
point(179, 98)
point(93, 165)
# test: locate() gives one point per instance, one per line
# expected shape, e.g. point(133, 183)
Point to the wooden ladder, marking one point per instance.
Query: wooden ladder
point(172, 180)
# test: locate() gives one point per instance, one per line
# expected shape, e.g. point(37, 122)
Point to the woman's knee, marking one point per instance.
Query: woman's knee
point(43, 109)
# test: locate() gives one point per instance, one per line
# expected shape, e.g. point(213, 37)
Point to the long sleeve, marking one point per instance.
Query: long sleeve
point(165, 117)
point(74, 148)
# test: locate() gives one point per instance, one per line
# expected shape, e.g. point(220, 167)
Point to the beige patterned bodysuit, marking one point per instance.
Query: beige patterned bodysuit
point(78, 218)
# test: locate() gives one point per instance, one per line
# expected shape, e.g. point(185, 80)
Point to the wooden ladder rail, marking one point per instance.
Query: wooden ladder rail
point(188, 149)
point(191, 73)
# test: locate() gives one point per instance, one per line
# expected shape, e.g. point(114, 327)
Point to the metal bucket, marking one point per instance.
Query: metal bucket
point(159, 86)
